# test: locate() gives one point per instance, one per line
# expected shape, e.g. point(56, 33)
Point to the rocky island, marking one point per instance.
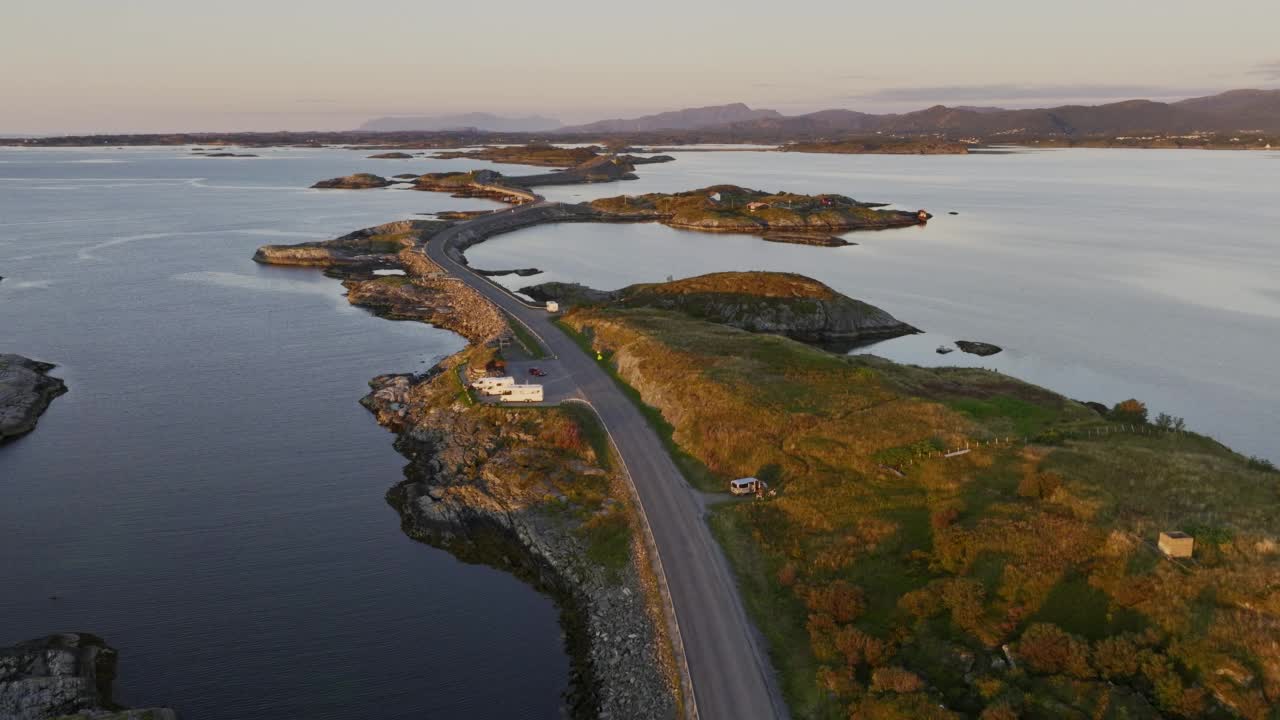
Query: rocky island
point(981, 349)
point(541, 154)
point(64, 676)
point(783, 216)
point(881, 146)
point(25, 393)
point(371, 248)
point(546, 155)
point(358, 181)
point(391, 156)
point(769, 302)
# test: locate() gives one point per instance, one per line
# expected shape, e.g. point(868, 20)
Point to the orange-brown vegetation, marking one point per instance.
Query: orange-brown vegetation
point(1018, 580)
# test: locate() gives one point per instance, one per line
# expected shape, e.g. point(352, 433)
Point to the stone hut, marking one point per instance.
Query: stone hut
point(1176, 544)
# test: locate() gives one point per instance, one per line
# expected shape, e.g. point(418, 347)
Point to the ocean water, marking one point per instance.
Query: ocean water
point(1104, 274)
point(209, 494)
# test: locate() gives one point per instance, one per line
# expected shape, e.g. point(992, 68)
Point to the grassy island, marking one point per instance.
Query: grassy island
point(951, 542)
point(786, 216)
point(881, 146)
point(540, 154)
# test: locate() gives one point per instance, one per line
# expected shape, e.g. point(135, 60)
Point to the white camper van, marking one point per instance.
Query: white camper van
point(521, 393)
point(747, 486)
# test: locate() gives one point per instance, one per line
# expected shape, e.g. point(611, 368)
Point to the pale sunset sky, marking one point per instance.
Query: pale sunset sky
point(81, 66)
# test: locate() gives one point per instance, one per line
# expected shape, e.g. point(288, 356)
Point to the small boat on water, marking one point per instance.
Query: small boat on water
point(943, 349)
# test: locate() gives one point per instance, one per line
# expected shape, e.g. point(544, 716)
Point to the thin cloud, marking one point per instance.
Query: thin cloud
point(1268, 70)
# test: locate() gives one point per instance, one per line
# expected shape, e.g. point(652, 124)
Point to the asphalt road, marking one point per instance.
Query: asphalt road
point(730, 670)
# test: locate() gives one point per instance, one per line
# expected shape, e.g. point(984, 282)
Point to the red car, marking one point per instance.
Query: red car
point(536, 372)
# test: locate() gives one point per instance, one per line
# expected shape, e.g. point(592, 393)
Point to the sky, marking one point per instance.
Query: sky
point(83, 66)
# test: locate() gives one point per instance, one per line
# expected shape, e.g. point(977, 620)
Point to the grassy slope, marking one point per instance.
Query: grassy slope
point(887, 581)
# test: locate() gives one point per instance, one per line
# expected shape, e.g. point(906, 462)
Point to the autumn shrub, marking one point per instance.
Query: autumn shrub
point(1050, 650)
point(1171, 694)
point(999, 711)
point(1129, 411)
point(859, 648)
point(943, 518)
point(895, 679)
point(1039, 484)
point(841, 600)
point(787, 574)
point(1116, 657)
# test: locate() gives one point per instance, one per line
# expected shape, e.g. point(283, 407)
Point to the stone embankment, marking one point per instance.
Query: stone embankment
point(494, 485)
point(64, 675)
point(25, 393)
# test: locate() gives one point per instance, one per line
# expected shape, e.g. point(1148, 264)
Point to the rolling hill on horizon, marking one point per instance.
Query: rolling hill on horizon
point(484, 121)
point(1234, 110)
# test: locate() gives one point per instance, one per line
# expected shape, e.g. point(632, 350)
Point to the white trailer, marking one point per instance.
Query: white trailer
point(521, 393)
point(553, 306)
point(493, 385)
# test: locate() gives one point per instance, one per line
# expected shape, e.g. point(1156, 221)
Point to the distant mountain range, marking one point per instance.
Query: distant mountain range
point(1236, 110)
point(465, 121)
point(687, 119)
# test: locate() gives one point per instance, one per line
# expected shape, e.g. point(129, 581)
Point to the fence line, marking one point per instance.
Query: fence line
point(1010, 441)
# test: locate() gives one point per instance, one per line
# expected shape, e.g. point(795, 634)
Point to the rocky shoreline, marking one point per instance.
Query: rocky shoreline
point(488, 487)
point(68, 674)
point(494, 485)
point(25, 393)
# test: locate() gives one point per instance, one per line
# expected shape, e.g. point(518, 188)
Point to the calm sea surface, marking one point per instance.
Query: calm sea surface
point(209, 494)
point(1105, 274)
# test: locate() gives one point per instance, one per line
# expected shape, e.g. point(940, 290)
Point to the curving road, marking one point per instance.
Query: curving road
point(730, 671)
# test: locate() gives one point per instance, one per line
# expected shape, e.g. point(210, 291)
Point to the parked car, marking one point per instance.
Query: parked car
point(537, 372)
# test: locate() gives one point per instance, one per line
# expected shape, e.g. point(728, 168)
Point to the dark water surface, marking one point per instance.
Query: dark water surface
point(209, 494)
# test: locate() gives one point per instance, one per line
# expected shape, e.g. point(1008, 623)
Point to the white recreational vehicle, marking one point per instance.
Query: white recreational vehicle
point(747, 486)
point(521, 393)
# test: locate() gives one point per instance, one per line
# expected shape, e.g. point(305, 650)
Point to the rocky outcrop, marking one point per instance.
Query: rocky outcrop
point(65, 674)
point(568, 293)
point(779, 303)
point(359, 181)
point(521, 272)
point(517, 490)
point(25, 393)
point(423, 293)
point(374, 247)
point(391, 156)
point(650, 160)
point(605, 168)
point(974, 347)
